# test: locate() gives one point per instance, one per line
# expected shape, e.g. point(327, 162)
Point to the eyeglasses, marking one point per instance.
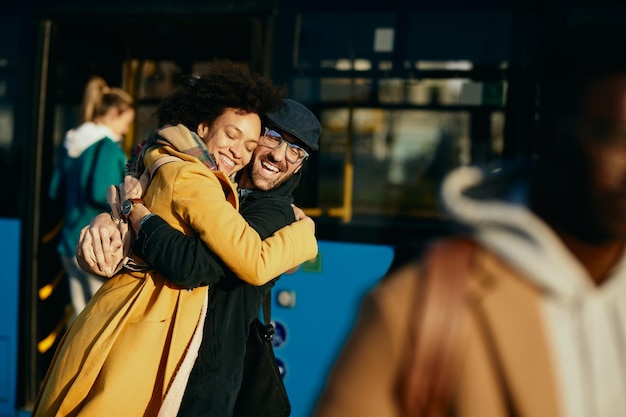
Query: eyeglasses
point(272, 139)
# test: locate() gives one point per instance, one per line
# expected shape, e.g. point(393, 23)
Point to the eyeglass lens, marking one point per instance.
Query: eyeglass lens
point(273, 139)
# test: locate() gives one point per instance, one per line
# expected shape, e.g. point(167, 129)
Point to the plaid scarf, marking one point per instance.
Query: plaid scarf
point(189, 143)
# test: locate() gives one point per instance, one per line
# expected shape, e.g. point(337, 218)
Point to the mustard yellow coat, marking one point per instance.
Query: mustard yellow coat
point(120, 355)
point(506, 366)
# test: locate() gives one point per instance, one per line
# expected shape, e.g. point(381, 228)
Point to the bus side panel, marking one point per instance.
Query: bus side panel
point(9, 298)
point(314, 310)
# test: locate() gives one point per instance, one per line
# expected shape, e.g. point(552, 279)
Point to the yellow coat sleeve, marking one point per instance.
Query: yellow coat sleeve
point(192, 196)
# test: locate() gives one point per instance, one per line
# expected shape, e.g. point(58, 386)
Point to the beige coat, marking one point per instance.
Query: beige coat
point(506, 361)
point(121, 353)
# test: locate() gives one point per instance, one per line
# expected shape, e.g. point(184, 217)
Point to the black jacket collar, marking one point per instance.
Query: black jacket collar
point(284, 190)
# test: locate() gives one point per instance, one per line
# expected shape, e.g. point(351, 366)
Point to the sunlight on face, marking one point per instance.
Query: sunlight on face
point(270, 167)
point(117, 121)
point(231, 139)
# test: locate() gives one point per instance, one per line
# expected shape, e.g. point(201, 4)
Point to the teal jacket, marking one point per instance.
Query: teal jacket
point(80, 183)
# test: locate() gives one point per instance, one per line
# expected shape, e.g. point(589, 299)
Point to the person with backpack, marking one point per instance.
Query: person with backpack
point(265, 188)
point(131, 350)
point(524, 314)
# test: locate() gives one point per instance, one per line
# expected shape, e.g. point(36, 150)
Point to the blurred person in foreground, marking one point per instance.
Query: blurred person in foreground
point(543, 318)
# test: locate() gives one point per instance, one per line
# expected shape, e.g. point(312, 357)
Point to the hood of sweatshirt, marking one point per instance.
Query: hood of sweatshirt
point(85, 135)
point(494, 206)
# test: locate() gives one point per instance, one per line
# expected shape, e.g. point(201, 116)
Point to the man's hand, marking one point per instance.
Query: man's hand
point(299, 213)
point(100, 245)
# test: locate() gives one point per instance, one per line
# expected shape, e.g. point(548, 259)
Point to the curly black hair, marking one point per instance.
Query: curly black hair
point(206, 96)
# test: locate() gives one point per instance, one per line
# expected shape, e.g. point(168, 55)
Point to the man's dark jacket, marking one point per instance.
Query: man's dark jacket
point(186, 261)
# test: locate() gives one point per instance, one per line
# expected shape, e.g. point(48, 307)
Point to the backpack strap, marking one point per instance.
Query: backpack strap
point(161, 161)
point(437, 330)
point(267, 313)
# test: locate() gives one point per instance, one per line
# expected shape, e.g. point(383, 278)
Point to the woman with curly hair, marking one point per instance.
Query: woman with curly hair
point(131, 350)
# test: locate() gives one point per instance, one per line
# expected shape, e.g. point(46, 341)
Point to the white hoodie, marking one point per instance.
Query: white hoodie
point(85, 135)
point(586, 324)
